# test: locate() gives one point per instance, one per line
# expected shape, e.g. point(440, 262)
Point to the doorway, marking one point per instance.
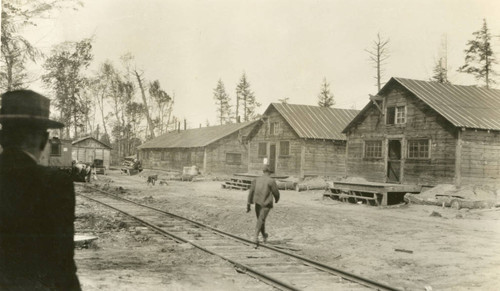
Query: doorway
point(272, 157)
point(394, 161)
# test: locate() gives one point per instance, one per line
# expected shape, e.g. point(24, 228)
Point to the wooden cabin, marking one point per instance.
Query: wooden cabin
point(214, 149)
point(57, 154)
point(300, 140)
point(426, 133)
point(89, 149)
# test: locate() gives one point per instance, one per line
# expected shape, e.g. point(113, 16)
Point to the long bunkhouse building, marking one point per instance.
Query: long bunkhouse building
point(300, 140)
point(426, 133)
point(214, 149)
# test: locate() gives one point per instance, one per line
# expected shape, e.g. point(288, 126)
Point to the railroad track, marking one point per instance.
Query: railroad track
point(270, 264)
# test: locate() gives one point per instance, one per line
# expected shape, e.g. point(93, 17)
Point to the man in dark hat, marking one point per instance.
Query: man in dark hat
point(262, 191)
point(37, 204)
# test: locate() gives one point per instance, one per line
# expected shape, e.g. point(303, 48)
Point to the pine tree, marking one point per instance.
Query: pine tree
point(222, 101)
point(440, 72)
point(325, 97)
point(247, 99)
point(479, 56)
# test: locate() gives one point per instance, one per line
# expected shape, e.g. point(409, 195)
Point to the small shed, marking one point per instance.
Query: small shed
point(426, 133)
point(214, 149)
point(300, 140)
point(88, 149)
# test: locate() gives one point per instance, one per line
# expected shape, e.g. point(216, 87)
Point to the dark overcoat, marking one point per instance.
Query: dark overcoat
point(37, 211)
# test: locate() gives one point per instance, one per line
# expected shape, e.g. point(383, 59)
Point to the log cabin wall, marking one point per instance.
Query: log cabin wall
point(171, 159)
point(421, 124)
point(325, 158)
point(287, 162)
point(480, 156)
point(225, 156)
point(228, 155)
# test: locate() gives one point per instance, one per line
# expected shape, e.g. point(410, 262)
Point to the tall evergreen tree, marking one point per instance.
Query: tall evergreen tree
point(325, 97)
point(247, 98)
point(440, 72)
point(479, 56)
point(222, 101)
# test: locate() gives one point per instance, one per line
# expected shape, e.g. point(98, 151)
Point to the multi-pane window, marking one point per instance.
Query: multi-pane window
point(396, 115)
point(373, 149)
point(284, 148)
point(233, 159)
point(418, 149)
point(262, 149)
point(274, 128)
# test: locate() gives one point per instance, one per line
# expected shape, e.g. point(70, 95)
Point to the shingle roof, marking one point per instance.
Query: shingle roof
point(198, 137)
point(463, 106)
point(316, 122)
point(89, 137)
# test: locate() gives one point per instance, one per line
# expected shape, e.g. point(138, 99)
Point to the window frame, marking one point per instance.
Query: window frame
point(260, 153)
point(233, 160)
point(368, 143)
point(287, 147)
point(275, 128)
point(398, 116)
point(426, 145)
point(55, 144)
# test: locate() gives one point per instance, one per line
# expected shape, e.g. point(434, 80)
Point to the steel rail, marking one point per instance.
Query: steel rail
point(244, 268)
point(329, 269)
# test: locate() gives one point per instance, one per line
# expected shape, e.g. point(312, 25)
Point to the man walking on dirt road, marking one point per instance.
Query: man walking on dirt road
point(262, 191)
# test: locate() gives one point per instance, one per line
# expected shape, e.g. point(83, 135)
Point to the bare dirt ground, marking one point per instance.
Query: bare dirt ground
point(450, 249)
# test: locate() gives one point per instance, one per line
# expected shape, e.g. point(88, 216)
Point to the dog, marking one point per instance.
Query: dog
point(152, 179)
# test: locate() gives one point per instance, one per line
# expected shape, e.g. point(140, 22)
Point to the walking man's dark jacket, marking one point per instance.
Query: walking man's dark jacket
point(37, 210)
point(262, 191)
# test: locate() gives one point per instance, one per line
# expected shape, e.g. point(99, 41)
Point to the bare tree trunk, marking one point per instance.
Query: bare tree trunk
point(150, 122)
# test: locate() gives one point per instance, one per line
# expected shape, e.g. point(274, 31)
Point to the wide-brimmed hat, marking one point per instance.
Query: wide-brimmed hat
point(26, 108)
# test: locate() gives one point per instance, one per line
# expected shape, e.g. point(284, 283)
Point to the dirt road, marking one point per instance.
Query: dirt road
point(448, 250)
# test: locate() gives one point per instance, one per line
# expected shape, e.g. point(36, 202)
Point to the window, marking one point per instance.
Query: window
point(274, 128)
point(262, 149)
point(284, 148)
point(396, 115)
point(373, 149)
point(418, 149)
point(55, 147)
point(233, 159)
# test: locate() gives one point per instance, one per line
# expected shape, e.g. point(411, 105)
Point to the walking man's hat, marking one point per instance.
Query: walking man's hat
point(26, 108)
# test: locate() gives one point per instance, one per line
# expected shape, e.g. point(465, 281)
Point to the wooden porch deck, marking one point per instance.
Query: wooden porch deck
point(372, 193)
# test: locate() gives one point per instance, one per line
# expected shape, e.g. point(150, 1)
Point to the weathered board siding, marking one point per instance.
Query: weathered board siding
point(211, 159)
point(306, 157)
point(324, 158)
point(172, 159)
point(87, 150)
point(480, 156)
point(422, 123)
point(285, 165)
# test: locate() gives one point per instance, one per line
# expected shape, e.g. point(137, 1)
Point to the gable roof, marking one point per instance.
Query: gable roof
point(198, 137)
point(463, 106)
point(315, 122)
point(94, 139)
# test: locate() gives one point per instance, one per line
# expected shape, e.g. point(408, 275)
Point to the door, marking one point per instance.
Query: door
point(394, 161)
point(272, 157)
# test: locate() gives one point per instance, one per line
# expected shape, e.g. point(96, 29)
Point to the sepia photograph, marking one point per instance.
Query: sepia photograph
point(250, 145)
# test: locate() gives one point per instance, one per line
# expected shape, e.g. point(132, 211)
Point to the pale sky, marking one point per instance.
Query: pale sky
point(286, 47)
